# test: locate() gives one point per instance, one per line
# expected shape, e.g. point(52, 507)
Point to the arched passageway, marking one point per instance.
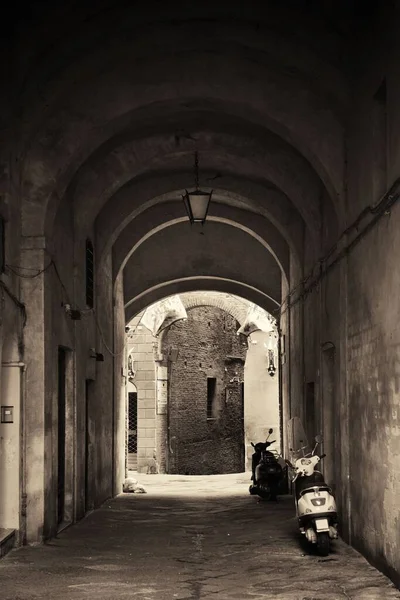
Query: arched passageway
point(204, 389)
point(295, 125)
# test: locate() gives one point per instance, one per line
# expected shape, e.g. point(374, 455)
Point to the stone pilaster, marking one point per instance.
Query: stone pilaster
point(33, 256)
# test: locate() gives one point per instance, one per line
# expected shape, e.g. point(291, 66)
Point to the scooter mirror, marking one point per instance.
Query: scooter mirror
point(270, 430)
point(319, 439)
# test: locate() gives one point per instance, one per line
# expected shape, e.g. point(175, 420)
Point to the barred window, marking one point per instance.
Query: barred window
point(211, 392)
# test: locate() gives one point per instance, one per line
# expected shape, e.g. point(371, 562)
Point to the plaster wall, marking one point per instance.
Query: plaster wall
point(261, 396)
point(142, 346)
point(12, 376)
point(10, 450)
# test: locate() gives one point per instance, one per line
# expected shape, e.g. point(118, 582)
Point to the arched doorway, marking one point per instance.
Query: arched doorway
point(200, 386)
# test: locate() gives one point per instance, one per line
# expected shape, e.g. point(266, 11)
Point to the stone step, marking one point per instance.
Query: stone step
point(132, 462)
point(7, 541)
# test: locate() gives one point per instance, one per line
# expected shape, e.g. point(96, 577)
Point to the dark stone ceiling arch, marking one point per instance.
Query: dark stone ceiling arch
point(168, 213)
point(252, 196)
point(196, 284)
point(264, 35)
point(88, 116)
point(220, 251)
point(106, 183)
point(243, 150)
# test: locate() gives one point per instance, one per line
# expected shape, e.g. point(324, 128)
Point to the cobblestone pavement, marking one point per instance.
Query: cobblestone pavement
point(188, 538)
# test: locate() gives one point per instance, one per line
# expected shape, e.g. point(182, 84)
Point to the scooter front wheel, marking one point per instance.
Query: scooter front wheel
point(323, 543)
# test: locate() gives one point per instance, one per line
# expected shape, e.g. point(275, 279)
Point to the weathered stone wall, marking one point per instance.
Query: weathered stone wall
point(350, 317)
point(373, 335)
point(49, 328)
point(204, 445)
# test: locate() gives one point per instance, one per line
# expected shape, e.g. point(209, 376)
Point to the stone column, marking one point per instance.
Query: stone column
point(33, 256)
point(162, 415)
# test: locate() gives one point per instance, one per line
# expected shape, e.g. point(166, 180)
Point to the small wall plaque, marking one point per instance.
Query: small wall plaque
point(7, 414)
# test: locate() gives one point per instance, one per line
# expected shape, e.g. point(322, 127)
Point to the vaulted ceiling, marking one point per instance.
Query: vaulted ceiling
point(112, 99)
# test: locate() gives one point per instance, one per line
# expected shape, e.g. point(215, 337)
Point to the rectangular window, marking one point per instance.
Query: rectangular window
point(89, 274)
point(211, 390)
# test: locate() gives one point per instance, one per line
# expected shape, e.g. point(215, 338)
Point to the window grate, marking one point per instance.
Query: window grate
point(132, 423)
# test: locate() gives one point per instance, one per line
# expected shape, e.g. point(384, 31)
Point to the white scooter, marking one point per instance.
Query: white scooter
point(315, 504)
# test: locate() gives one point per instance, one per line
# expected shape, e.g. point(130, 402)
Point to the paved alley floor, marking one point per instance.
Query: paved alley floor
point(188, 538)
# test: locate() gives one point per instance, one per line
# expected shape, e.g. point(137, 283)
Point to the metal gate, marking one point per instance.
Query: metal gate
point(132, 431)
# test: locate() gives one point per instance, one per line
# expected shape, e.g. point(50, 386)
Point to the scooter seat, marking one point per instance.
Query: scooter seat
point(320, 488)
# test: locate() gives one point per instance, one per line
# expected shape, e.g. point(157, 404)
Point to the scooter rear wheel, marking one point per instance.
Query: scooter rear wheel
point(323, 543)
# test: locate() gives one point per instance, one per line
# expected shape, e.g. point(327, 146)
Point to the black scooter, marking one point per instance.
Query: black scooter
point(267, 473)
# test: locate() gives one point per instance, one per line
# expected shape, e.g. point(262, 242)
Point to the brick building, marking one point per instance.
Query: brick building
point(171, 380)
point(206, 410)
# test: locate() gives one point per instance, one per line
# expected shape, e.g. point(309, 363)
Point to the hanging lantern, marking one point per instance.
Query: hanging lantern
point(198, 201)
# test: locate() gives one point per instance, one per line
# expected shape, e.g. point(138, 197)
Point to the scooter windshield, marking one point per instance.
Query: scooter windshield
point(297, 439)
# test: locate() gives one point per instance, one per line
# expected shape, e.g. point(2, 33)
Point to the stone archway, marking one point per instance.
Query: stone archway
point(233, 305)
point(261, 410)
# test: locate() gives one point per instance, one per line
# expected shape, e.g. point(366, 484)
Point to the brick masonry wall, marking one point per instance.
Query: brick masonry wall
point(202, 445)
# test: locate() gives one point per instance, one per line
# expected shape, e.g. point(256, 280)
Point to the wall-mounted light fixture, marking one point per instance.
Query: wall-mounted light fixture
point(98, 356)
point(198, 201)
point(73, 313)
point(271, 363)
